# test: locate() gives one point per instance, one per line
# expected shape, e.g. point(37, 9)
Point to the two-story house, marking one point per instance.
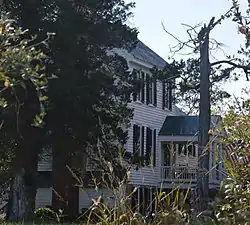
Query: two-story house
point(159, 131)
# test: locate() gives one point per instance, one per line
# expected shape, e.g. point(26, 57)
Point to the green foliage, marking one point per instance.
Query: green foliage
point(21, 65)
point(47, 215)
point(232, 205)
point(186, 76)
point(22, 75)
point(88, 103)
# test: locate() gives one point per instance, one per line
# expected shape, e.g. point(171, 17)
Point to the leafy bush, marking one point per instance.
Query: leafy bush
point(47, 214)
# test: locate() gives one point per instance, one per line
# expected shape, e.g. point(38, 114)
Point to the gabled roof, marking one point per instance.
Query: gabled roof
point(184, 125)
point(147, 55)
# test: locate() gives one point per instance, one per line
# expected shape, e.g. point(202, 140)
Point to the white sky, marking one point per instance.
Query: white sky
point(149, 14)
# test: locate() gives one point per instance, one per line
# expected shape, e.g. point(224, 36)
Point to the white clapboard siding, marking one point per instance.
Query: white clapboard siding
point(44, 161)
point(87, 194)
point(152, 117)
point(43, 197)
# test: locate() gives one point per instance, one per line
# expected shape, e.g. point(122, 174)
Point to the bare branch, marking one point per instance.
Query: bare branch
point(222, 18)
point(230, 63)
point(245, 68)
point(191, 27)
point(177, 39)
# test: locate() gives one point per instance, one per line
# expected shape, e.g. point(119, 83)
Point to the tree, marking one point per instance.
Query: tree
point(200, 43)
point(23, 85)
point(92, 86)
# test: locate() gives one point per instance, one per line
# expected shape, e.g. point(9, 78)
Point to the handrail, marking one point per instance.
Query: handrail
point(183, 173)
point(179, 173)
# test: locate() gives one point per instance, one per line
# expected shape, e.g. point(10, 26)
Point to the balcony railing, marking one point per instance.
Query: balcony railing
point(178, 174)
point(185, 174)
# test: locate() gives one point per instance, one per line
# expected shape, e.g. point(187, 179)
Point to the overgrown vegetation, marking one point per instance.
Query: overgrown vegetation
point(86, 109)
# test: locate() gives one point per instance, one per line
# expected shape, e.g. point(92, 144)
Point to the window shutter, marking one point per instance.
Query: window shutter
point(134, 75)
point(147, 88)
point(154, 149)
point(142, 143)
point(136, 142)
point(135, 200)
point(155, 92)
point(149, 146)
point(143, 87)
point(170, 96)
point(141, 200)
point(154, 194)
point(163, 95)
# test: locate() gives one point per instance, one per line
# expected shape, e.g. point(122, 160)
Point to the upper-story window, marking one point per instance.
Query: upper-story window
point(151, 90)
point(144, 155)
point(147, 87)
point(167, 96)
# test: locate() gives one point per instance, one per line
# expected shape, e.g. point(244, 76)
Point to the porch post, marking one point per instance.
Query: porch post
point(211, 162)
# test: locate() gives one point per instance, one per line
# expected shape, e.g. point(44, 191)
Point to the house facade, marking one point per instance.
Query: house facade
point(160, 132)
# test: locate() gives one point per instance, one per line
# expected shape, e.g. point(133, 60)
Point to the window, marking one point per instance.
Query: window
point(151, 90)
point(182, 149)
point(139, 94)
point(187, 149)
point(192, 150)
point(138, 142)
point(167, 96)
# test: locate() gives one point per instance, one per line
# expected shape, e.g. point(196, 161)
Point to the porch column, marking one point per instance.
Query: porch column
point(221, 162)
point(210, 162)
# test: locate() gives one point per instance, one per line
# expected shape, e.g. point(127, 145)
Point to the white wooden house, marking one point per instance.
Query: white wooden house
point(161, 130)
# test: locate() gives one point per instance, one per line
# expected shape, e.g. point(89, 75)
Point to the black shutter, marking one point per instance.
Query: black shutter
point(155, 92)
point(148, 145)
point(142, 144)
point(146, 200)
point(147, 88)
point(135, 200)
point(135, 93)
point(170, 96)
point(194, 150)
point(163, 95)
point(141, 200)
point(143, 87)
point(154, 194)
point(154, 149)
point(136, 143)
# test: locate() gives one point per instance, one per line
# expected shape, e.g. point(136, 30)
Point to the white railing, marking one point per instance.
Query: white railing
point(178, 174)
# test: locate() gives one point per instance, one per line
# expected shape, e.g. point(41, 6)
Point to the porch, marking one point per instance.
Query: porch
point(178, 145)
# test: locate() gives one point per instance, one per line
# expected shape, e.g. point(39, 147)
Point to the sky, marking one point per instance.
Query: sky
point(149, 14)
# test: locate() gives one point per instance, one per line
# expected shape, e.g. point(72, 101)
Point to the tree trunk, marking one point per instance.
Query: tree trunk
point(18, 203)
point(204, 118)
point(23, 185)
point(65, 191)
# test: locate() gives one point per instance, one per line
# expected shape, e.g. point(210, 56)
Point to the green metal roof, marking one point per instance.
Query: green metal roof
point(183, 125)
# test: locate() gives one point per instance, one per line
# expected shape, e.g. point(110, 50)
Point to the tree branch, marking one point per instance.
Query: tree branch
point(230, 63)
point(245, 68)
point(177, 39)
